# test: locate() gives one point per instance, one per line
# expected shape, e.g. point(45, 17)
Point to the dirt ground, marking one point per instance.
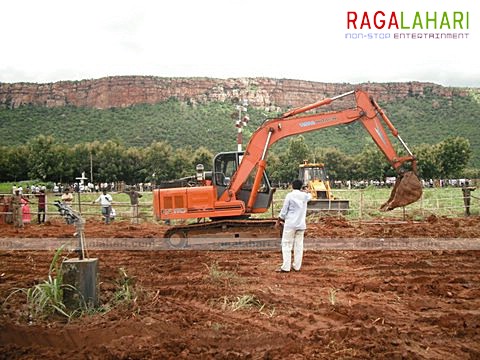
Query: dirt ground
point(193, 304)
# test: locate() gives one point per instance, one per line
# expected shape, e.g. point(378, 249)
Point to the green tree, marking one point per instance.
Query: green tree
point(339, 165)
point(13, 163)
point(135, 169)
point(181, 164)
point(427, 161)
point(45, 158)
point(453, 156)
point(78, 161)
point(371, 164)
point(273, 166)
point(203, 156)
point(158, 161)
point(297, 152)
point(111, 162)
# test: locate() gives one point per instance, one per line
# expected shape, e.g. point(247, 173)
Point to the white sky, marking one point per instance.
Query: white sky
point(47, 41)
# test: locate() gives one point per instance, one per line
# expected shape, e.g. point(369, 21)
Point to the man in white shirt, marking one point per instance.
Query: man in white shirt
point(106, 204)
point(292, 215)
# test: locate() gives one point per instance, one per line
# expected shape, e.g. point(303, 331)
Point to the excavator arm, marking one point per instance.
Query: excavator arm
point(290, 123)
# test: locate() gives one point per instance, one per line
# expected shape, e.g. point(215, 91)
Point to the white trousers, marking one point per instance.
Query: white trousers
point(292, 239)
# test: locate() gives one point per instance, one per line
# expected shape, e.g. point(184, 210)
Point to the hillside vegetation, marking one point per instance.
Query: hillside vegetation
point(428, 119)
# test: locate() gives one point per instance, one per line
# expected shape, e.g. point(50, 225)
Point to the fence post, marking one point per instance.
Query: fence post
point(360, 209)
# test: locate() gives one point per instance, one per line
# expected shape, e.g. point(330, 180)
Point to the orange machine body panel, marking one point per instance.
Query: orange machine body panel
point(193, 202)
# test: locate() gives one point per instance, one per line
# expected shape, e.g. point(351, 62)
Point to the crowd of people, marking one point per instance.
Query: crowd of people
point(16, 208)
point(390, 182)
point(89, 187)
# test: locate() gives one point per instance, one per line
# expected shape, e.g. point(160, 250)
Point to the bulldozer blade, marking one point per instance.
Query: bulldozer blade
point(407, 190)
point(325, 205)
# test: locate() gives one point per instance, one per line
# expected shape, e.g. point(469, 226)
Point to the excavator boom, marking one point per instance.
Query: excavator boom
point(366, 111)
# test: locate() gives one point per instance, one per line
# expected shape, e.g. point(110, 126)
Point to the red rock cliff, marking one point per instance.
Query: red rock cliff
point(124, 91)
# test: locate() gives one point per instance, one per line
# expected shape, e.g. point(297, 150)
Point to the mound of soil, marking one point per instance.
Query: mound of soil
point(233, 305)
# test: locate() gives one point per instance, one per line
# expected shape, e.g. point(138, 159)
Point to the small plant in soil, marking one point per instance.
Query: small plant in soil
point(46, 298)
point(220, 276)
point(246, 302)
point(125, 292)
point(332, 296)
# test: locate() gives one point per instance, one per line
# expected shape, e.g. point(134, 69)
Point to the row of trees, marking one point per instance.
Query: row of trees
point(447, 159)
point(46, 159)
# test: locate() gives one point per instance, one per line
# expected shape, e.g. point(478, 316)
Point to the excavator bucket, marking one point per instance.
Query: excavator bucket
point(407, 190)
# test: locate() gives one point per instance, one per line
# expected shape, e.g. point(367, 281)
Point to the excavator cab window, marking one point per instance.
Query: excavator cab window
point(264, 185)
point(225, 165)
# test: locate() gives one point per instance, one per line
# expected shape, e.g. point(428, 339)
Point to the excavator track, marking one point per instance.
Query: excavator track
point(221, 231)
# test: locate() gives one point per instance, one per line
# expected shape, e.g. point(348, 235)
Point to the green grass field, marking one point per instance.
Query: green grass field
point(364, 204)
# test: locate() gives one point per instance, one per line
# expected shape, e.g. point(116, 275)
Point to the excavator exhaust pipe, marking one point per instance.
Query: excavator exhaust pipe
point(407, 190)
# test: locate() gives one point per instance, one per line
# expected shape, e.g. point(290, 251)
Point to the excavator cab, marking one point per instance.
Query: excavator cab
point(225, 166)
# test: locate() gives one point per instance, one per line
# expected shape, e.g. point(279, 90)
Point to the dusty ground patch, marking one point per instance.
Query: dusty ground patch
point(343, 304)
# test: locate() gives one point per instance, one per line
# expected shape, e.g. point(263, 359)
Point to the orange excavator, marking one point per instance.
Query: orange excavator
point(238, 186)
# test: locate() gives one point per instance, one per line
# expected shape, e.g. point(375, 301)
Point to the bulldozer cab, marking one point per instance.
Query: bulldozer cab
point(311, 172)
point(315, 179)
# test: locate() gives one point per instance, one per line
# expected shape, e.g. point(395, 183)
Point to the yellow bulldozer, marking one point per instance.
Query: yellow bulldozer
point(315, 179)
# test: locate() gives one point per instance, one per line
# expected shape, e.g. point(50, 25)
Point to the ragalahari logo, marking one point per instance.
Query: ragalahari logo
point(398, 25)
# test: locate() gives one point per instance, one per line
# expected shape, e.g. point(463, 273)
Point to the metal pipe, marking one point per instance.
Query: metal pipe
point(259, 175)
point(404, 145)
point(325, 101)
point(343, 95)
point(265, 148)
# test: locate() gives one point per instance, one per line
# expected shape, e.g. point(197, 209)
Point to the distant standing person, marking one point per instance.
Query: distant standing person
point(26, 215)
point(16, 204)
point(292, 216)
point(134, 197)
point(41, 206)
point(106, 204)
point(67, 197)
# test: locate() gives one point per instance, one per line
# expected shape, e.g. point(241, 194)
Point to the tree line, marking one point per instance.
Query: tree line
point(420, 119)
point(46, 159)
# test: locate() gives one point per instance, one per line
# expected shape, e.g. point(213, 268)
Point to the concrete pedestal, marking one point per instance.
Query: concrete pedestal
point(83, 276)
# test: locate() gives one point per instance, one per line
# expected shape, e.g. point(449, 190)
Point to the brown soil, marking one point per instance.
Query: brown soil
point(342, 304)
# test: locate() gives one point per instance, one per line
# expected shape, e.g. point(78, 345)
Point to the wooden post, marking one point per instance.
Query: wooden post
point(360, 210)
point(83, 276)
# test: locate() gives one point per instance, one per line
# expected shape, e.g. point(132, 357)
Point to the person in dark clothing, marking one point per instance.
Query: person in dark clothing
point(41, 206)
point(134, 200)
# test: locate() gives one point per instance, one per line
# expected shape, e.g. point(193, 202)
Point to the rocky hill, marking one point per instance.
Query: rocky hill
point(138, 110)
point(124, 91)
